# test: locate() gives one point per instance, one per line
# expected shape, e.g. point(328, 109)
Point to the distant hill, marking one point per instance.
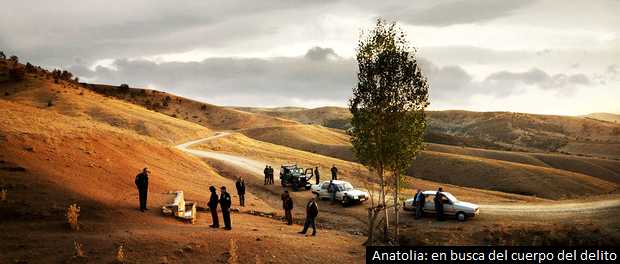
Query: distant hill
point(492, 130)
point(614, 118)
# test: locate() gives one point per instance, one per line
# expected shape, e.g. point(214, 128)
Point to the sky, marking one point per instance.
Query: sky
point(535, 56)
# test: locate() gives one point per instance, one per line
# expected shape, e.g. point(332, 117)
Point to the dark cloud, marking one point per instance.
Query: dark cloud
point(318, 53)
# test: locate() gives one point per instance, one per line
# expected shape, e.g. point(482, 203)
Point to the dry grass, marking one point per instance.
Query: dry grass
point(120, 257)
point(73, 212)
point(233, 257)
point(3, 194)
point(79, 249)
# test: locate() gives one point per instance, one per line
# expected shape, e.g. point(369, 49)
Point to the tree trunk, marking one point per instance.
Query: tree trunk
point(384, 203)
point(397, 206)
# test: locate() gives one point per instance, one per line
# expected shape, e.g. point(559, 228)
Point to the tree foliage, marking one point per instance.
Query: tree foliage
point(388, 102)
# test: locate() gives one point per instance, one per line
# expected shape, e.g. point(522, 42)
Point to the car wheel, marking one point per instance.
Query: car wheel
point(461, 216)
point(345, 201)
point(318, 197)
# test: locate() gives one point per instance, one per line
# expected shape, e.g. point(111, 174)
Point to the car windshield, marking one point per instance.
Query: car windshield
point(450, 196)
point(345, 187)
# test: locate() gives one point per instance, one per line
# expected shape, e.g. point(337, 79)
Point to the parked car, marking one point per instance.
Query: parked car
point(296, 177)
point(452, 206)
point(345, 192)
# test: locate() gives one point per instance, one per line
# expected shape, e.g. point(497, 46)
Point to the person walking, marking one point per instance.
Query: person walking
point(287, 205)
point(266, 172)
point(213, 200)
point(312, 211)
point(142, 183)
point(317, 175)
point(419, 204)
point(240, 184)
point(225, 203)
point(438, 200)
point(334, 172)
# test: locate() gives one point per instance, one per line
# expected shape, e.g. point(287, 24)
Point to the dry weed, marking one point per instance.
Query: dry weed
point(3, 193)
point(233, 258)
point(73, 212)
point(79, 250)
point(120, 254)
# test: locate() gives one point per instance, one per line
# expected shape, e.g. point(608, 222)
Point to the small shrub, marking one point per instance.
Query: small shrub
point(73, 212)
point(123, 88)
point(120, 254)
point(50, 103)
point(3, 194)
point(79, 250)
point(203, 107)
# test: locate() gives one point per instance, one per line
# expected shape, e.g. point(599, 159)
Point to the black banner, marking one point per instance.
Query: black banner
point(492, 254)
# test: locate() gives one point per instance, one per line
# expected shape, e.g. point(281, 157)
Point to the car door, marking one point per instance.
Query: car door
point(429, 205)
point(448, 207)
point(323, 190)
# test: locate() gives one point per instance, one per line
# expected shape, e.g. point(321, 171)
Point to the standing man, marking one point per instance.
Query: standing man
point(213, 200)
point(312, 210)
point(316, 174)
point(419, 204)
point(270, 175)
point(225, 203)
point(142, 182)
point(240, 184)
point(438, 200)
point(266, 172)
point(331, 189)
point(287, 205)
point(334, 172)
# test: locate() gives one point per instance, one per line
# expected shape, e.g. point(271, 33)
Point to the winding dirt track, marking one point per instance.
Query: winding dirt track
point(538, 210)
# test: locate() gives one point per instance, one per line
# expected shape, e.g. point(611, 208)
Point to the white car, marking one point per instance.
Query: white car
point(345, 193)
point(452, 206)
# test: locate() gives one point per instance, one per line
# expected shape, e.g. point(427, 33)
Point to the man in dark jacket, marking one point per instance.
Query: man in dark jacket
point(316, 175)
point(312, 210)
point(240, 184)
point(225, 203)
point(420, 200)
point(142, 182)
point(334, 172)
point(287, 205)
point(438, 200)
point(270, 175)
point(213, 200)
point(266, 172)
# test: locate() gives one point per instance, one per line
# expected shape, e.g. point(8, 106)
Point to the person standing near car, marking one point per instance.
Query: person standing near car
point(317, 175)
point(438, 201)
point(419, 204)
point(287, 205)
point(213, 200)
point(312, 211)
point(334, 172)
point(225, 203)
point(266, 172)
point(240, 184)
point(331, 188)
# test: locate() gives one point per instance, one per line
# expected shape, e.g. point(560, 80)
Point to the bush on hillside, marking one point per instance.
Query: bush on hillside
point(123, 88)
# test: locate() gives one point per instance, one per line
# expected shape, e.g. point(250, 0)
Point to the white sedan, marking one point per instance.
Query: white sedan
point(452, 206)
point(345, 193)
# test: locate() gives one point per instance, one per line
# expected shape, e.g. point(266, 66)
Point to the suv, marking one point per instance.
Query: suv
point(296, 177)
point(452, 206)
point(345, 193)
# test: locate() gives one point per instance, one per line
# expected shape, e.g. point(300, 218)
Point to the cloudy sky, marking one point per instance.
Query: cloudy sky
point(536, 56)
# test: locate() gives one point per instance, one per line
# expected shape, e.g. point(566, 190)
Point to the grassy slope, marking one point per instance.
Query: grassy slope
point(86, 149)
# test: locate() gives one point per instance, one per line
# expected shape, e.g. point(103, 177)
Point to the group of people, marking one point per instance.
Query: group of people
point(224, 201)
point(268, 171)
point(438, 201)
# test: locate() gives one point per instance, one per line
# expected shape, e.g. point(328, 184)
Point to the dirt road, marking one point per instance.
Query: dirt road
point(569, 209)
